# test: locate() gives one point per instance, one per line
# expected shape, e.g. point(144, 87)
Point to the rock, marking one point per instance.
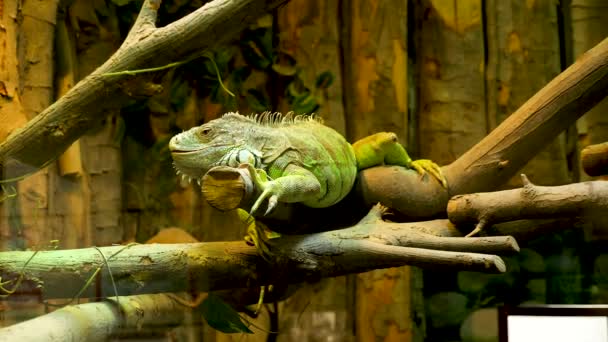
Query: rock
point(600, 270)
point(531, 261)
point(446, 309)
point(564, 278)
point(473, 282)
point(480, 326)
point(537, 290)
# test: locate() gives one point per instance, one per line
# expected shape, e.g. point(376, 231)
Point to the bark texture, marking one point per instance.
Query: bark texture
point(589, 27)
point(586, 199)
point(523, 55)
point(523, 134)
point(377, 89)
point(100, 321)
point(595, 159)
point(60, 124)
point(452, 89)
point(371, 244)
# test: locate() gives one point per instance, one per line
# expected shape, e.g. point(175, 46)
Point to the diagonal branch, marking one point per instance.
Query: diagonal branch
point(504, 151)
point(54, 129)
point(145, 22)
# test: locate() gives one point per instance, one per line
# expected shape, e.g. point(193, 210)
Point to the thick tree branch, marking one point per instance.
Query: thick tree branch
point(504, 151)
point(595, 159)
point(536, 123)
point(586, 199)
point(99, 321)
point(46, 136)
point(371, 244)
point(145, 22)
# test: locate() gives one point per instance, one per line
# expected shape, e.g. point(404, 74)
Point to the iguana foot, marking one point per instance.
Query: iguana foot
point(269, 188)
point(422, 166)
point(258, 234)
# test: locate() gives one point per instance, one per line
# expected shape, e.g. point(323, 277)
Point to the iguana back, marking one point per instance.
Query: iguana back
point(307, 161)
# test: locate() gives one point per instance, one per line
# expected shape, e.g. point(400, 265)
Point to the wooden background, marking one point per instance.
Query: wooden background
point(440, 73)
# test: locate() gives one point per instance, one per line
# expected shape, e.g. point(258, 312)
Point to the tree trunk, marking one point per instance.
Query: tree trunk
point(451, 101)
point(523, 56)
point(589, 27)
point(376, 99)
point(309, 31)
point(452, 111)
point(30, 218)
point(100, 147)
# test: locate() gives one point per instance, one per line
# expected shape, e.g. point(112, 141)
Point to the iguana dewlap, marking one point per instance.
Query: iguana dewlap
point(291, 158)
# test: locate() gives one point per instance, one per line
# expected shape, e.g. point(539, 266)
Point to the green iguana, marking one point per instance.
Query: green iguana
point(291, 158)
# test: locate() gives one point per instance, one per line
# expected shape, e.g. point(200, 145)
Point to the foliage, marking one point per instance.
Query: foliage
point(250, 75)
point(254, 54)
point(221, 316)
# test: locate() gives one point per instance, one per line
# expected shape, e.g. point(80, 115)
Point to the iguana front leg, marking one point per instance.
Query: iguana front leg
point(384, 148)
point(295, 185)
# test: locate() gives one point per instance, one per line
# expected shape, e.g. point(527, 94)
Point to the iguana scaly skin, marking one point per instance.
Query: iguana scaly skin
point(291, 158)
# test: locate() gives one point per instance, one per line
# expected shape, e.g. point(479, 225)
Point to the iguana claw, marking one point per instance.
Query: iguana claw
point(262, 182)
point(272, 202)
point(422, 166)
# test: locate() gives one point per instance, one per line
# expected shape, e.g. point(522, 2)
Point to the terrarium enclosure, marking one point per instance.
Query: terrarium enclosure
point(101, 238)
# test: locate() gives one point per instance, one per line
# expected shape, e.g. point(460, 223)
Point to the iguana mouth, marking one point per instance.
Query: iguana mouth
point(184, 151)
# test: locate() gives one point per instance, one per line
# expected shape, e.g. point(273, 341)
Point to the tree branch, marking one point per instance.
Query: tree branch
point(504, 151)
point(54, 129)
point(99, 321)
point(595, 159)
point(586, 199)
point(370, 244)
point(145, 22)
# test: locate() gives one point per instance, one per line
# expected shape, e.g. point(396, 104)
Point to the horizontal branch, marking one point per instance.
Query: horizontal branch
point(136, 269)
point(370, 244)
point(99, 321)
point(586, 199)
point(595, 159)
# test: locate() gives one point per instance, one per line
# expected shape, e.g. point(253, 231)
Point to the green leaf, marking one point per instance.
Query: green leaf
point(256, 47)
point(297, 89)
point(218, 74)
point(324, 80)
point(223, 56)
point(180, 90)
point(121, 2)
point(305, 104)
point(221, 316)
point(257, 100)
point(284, 64)
point(263, 21)
point(284, 70)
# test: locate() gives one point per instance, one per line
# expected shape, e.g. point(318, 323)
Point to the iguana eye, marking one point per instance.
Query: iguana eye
point(205, 131)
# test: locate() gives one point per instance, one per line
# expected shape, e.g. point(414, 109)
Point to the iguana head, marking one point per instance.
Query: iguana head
point(218, 142)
